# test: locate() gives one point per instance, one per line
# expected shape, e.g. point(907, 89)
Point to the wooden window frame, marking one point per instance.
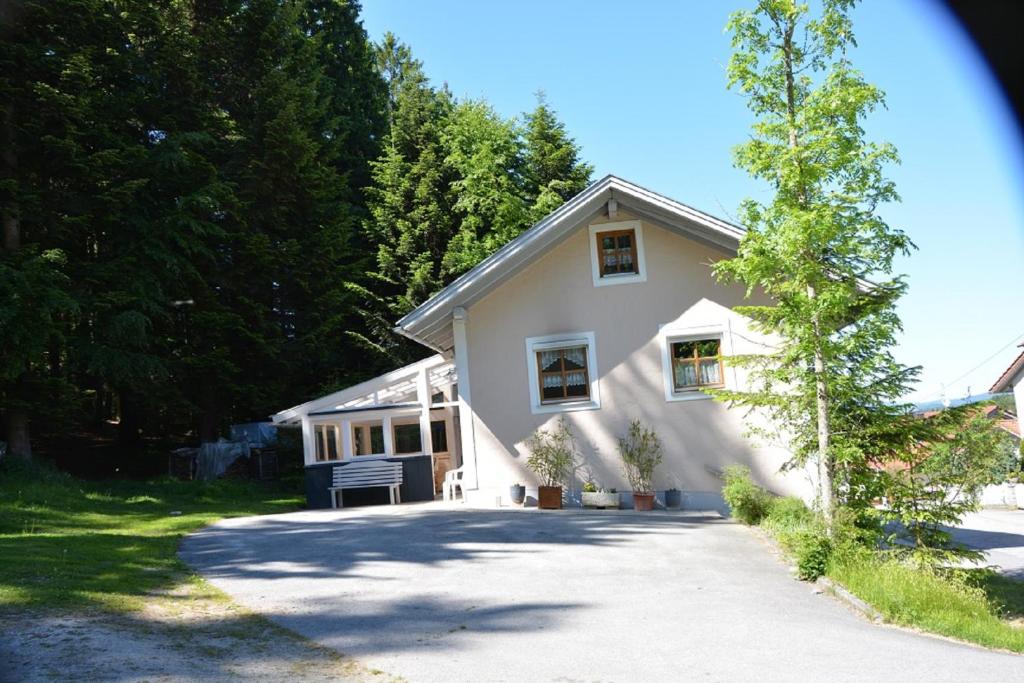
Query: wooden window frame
point(534, 383)
point(541, 374)
point(326, 436)
point(695, 361)
point(599, 236)
point(597, 270)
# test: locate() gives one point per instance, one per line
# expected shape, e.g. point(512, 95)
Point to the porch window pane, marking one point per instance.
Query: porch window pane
point(368, 438)
point(318, 437)
point(439, 436)
point(331, 436)
point(407, 438)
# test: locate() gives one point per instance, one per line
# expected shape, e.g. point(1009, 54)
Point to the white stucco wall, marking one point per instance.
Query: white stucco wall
point(557, 295)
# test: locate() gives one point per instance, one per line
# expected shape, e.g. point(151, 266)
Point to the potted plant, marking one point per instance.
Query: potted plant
point(673, 496)
point(641, 453)
point(517, 492)
point(552, 458)
point(594, 497)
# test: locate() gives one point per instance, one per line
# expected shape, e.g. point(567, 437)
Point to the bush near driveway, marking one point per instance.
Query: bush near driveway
point(977, 606)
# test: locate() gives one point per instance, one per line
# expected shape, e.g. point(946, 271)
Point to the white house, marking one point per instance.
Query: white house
point(1013, 380)
point(604, 311)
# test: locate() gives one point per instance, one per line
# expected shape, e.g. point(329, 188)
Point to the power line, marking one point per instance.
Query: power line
point(1001, 349)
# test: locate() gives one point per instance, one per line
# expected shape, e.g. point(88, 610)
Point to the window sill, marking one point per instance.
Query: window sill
point(695, 395)
point(564, 407)
point(620, 279)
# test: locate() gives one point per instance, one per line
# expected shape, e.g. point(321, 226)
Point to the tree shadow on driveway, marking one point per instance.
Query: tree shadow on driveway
point(396, 578)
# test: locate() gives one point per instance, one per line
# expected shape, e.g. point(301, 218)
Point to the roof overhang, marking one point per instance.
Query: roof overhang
point(430, 323)
point(1010, 376)
point(371, 394)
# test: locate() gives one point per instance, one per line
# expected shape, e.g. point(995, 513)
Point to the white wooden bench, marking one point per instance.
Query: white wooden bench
point(363, 475)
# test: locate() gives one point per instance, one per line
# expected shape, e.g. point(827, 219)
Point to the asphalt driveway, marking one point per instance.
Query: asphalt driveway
point(436, 594)
point(1000, 534)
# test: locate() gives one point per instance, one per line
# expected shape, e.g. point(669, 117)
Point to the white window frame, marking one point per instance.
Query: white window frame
point(667, 335)
point(561, 341)
point(595, 262)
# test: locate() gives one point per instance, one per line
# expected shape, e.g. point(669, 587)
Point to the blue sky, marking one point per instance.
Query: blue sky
point(641, 86)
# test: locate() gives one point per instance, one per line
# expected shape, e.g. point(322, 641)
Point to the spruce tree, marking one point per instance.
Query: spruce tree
point(552, 170)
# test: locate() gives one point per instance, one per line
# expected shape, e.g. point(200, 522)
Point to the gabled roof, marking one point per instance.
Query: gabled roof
point(430, 323)
point(1005, 381)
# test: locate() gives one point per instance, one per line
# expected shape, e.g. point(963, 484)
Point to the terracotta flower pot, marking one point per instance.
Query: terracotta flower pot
point(549, 497)
point(643, 501)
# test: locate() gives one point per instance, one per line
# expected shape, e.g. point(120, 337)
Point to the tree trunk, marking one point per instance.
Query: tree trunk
point(16, 426)
point(16, 431)
point(825, 498)
point(824, 435)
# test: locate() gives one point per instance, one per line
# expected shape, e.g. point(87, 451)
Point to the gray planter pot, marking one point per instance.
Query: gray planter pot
point(673, 499)
point(517, 492)
point(599, 499)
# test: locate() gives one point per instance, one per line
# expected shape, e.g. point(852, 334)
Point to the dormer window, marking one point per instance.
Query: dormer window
point(616, 251)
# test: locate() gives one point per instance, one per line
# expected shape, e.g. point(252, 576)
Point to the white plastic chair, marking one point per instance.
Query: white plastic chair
point(452, 481)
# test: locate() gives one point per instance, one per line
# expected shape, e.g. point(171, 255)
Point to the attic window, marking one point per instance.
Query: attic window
point(617, 253)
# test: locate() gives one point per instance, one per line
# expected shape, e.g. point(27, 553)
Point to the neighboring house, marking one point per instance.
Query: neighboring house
point(1012, 379)
point(605, 311)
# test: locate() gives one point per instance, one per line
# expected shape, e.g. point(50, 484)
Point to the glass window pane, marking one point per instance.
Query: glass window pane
point(550, 361)
point(552, 392)
point(330, 431)
point(710, 372)
point(368, 438)
point(625, 241)
point(439, 436)
point(377, 438)
point(607, 243)
point(685, 374)
point(708, 347)
point(575, 358)
point(407, 438)
point(318, 436)
point(576, 384)
point(683, 349)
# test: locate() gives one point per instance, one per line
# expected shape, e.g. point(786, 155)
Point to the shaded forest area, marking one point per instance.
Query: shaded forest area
point(214, 209)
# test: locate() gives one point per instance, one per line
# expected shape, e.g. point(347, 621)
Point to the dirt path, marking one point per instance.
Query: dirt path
point(192, 633)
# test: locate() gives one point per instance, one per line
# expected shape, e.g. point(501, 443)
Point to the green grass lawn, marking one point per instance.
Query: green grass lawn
point(979, 609)
point(72, 543)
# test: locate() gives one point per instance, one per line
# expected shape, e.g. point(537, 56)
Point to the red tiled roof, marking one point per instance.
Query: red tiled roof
point(1011, 425)
point(1003, 383)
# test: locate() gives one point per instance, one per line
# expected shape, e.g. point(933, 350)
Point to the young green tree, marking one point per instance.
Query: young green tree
point(552, 169)
point(818, 248)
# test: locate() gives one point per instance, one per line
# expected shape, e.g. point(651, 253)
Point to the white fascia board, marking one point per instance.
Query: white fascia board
point(421, 323)
point(498, 260)
point(357, 390)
